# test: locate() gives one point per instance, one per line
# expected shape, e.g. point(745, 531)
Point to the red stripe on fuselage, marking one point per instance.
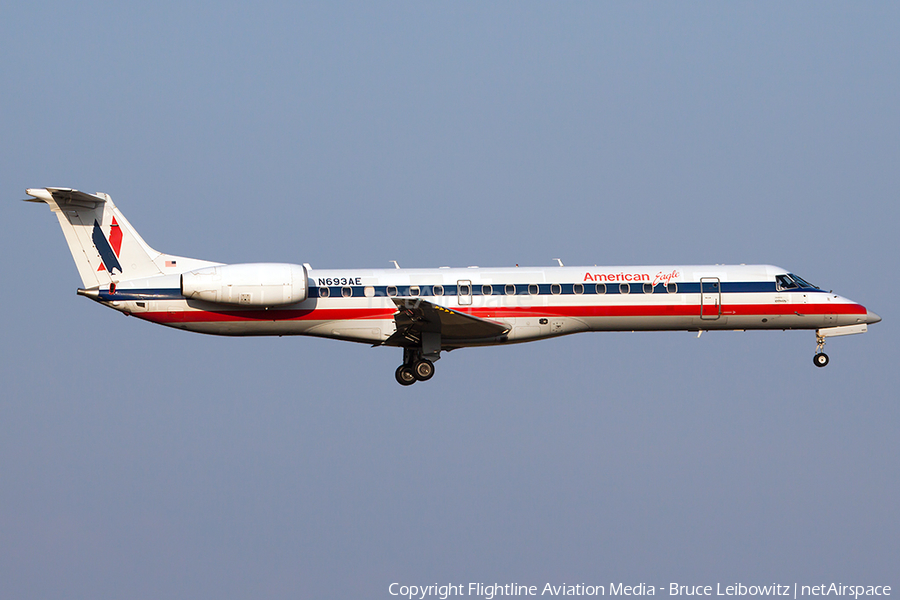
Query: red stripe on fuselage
point(321, 314)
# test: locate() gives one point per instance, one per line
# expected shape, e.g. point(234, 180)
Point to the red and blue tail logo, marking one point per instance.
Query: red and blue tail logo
point(109, 250)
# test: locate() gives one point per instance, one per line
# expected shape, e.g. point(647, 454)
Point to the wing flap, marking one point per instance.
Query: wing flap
point(416, 316)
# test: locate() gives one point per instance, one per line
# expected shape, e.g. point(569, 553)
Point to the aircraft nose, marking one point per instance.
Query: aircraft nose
point(871, 317)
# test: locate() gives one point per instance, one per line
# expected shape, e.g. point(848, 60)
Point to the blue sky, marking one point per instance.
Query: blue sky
point(143, 462)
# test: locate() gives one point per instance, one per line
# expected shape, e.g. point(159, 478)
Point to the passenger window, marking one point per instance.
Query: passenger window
point(510, 289)
point(414, 290)
point(532, 289)
point(346, 292)
point(392, 290)
point(324, 292)
point(578, 288)
point(672, 288)
point(601, 288)
point(369, 291)
point(465, 290)
point(486, 290)
point(438, 290)
point(555, 289)
point(648, 288)
point(624, 288)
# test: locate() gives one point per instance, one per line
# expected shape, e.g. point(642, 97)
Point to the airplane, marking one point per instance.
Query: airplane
point(429, 311)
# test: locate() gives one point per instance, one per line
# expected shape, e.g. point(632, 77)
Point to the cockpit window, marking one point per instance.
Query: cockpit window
point(792, 282)
point(802, 282)
point(785, 282)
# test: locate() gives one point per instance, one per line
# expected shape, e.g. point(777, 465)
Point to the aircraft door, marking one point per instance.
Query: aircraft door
point(710, 298)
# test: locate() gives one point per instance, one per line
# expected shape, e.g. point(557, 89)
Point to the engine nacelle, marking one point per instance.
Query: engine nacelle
point(251, 284)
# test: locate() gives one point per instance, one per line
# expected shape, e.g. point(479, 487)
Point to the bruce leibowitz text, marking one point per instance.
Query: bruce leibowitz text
point(490, 591)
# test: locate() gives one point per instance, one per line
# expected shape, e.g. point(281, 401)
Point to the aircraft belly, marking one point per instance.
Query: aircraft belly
point(533, 328)
point(641, 323)
point(371, 331)
point(726, 321)
point(844, 319)
point(356, 331)
point(521, 333)
point(369, 325)
point(241, 328)
point(234, 323)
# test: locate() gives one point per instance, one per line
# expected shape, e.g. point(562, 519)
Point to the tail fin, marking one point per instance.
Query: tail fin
point(105, 246)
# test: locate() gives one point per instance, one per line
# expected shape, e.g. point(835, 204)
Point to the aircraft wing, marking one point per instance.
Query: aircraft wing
point(416, 316)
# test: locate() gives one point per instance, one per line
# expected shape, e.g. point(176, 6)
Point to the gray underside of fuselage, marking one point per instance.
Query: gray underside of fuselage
point(377, 331)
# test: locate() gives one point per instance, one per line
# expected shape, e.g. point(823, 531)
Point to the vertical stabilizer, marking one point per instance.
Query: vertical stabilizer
point(105, 246)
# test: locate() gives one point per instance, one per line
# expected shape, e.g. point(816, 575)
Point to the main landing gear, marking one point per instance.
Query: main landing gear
point(414, 368)
point(820, 359)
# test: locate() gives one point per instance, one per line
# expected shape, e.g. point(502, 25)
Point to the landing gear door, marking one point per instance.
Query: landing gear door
point(710, 298)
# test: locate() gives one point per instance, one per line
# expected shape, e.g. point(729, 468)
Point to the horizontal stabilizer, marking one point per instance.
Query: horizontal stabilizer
point(66, 197)
point(104, 245)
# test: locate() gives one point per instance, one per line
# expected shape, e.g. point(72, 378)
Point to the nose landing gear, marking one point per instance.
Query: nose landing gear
point(820, 359)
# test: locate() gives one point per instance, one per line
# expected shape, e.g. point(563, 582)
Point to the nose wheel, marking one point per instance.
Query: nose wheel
point(820, 359)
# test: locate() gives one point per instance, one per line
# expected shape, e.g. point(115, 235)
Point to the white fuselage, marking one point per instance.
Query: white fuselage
point(428, 311)
point(356, 304)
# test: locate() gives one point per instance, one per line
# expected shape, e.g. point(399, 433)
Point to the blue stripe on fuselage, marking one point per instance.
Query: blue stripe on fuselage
point(521, 289)
point(499, 289)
